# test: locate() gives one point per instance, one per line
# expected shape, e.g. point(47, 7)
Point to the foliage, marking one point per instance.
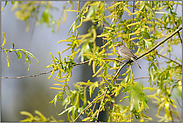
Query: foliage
point(27, 9)
point(153, 24)
point(39, 118)
point(150, 23)
point(18, 53)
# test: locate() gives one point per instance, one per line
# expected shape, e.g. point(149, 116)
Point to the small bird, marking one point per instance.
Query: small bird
point(127, 53)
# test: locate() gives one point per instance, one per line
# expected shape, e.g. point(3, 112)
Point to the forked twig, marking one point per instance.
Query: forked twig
point(87, 107)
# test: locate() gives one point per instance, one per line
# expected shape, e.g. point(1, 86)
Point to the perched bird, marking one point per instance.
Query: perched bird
point(126, 53)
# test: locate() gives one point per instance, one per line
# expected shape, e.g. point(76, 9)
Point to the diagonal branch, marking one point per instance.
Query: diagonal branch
point(158, 44)
point(169, 59)
point(87, 107)
point(150, 50)
point(101, 104)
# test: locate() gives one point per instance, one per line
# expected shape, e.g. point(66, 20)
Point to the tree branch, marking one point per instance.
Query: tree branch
point(150, 50)
point(75, 64)
point(158, 44)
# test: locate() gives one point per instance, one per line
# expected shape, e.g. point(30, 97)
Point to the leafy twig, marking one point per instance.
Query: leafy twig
point(87, 107)
point(75, 64)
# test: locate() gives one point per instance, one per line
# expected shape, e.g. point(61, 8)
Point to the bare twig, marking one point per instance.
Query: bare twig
point(137, 78)
point(101, 104)
point(113, 59)
point(35, 75)
point(169, 59)
point(145, 78)
point(81, 63)
point(30, 41)
point(179, 103)
point(180, 37)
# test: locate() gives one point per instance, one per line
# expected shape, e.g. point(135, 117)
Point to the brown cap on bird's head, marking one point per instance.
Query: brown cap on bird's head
point(120, 44)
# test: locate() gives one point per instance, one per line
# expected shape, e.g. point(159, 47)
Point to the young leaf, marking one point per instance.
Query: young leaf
point(4, 39)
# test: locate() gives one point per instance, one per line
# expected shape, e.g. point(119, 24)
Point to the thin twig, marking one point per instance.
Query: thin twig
point(30, 41)
point(179, 103)
point(35, 75)
point(131, 71)
point(101, 104)
point(87, 107)
point(113, 59)
point(180, 37)
point(136, 78)
point(171, 113)
point(176, 23)
point(92, 111)
point(169, 59)
point(146, 78)
point(81, 63)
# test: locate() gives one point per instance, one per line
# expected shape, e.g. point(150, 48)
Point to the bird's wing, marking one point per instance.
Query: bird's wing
point(128, 52)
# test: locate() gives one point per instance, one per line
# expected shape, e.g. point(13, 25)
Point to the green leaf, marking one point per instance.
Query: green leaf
point(150, 9)
point(13, 45)
point(66, 102)
point(19, 55)
point(73, 27)
point(90, 12)
point(142, 6)
point(68, 109)
point(4, 5)
point(151, 74)
point(145, 105)
point(74, 114)
point(4, 39)
point(68, 114)
point(87, 118)
point(146, 35)
point(12, 2)
point(85, 98)
point(55, 100)
point(45, 16)
point(31, 55)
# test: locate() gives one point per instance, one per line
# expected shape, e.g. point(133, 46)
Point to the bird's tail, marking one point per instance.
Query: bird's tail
point(135, 62)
